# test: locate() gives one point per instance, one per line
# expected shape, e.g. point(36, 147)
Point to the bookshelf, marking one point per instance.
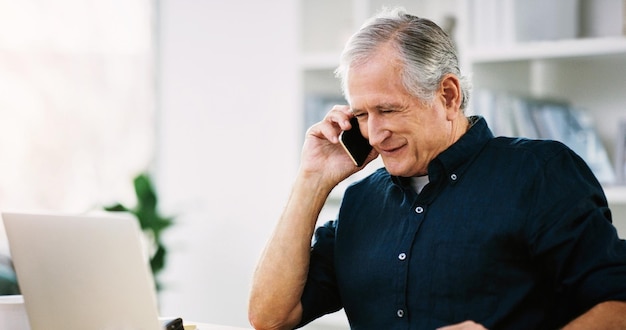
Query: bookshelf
point(584, 66)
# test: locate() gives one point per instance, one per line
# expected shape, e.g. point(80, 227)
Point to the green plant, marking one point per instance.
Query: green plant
point(150, 220)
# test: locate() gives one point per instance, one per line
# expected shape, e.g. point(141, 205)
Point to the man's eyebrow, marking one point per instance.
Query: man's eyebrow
point(388, 105)
point(380, 106)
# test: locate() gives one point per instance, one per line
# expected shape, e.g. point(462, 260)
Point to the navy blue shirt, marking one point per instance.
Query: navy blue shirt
point(510, 233)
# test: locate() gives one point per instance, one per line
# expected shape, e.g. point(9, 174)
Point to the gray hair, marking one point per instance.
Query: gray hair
point(427, 52)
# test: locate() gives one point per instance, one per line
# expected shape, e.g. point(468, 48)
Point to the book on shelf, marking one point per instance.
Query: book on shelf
point(518, 116)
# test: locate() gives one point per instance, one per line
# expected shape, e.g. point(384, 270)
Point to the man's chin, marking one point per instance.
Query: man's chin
point(397, 170)
point(402, 169)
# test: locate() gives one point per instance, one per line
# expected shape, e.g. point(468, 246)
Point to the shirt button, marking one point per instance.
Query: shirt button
point(400, 313)
point(402, 256)
point(419, 209)
point(453, 177)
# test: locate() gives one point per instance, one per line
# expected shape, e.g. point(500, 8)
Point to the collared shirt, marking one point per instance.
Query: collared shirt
point(510, 233)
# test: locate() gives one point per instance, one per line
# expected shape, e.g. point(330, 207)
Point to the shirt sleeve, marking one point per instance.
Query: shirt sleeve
point(572, 236)
point(320, 294)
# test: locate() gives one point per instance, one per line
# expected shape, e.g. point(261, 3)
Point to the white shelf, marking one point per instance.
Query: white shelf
point(549, 50)
point(562, 49)
point(615, 194)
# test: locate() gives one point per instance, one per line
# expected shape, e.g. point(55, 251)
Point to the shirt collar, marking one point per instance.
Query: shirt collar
point(450, 161)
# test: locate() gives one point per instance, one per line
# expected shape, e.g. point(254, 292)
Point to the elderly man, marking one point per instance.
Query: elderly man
point(459, 230)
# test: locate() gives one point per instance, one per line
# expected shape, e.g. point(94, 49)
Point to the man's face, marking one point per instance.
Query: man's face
point(407, 132)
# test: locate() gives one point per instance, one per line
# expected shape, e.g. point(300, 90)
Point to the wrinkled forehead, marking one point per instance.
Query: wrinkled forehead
point(383, 66)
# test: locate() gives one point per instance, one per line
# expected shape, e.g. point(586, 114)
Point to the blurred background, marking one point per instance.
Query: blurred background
point(211, 99)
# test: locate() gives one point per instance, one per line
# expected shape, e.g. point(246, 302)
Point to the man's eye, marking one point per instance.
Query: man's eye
point(359, 115)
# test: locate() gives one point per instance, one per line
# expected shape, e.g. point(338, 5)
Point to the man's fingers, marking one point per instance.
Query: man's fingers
point(340, 115)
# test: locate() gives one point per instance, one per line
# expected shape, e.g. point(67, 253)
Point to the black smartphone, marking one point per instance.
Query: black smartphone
point(356, 145)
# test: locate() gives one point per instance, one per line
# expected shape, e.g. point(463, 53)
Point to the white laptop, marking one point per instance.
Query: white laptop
point(82, 272)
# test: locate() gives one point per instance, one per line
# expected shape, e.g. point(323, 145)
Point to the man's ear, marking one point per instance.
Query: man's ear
point(450, 92)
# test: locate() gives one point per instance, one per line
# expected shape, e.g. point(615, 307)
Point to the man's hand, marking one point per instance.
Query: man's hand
point(323, 155)
point(606, 315)
point(467, 325)
point(281, 273)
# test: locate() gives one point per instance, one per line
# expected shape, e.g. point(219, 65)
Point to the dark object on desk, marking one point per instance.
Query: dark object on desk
point(175, 324)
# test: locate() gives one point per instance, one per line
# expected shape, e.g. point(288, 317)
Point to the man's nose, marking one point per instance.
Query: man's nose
point(376, 133)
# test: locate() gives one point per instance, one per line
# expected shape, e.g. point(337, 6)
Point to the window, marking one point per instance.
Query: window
point(77, 102)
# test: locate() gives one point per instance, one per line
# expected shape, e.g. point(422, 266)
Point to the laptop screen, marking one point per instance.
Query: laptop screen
point(82, 272)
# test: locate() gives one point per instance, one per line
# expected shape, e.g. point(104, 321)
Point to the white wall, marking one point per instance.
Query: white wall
point(228, 146)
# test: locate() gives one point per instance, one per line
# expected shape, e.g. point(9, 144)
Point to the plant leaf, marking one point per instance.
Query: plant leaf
point(158, 259)
point(146, 197)
point(116, 208)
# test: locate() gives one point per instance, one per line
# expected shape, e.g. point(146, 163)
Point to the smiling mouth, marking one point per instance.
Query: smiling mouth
point(390, 150)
